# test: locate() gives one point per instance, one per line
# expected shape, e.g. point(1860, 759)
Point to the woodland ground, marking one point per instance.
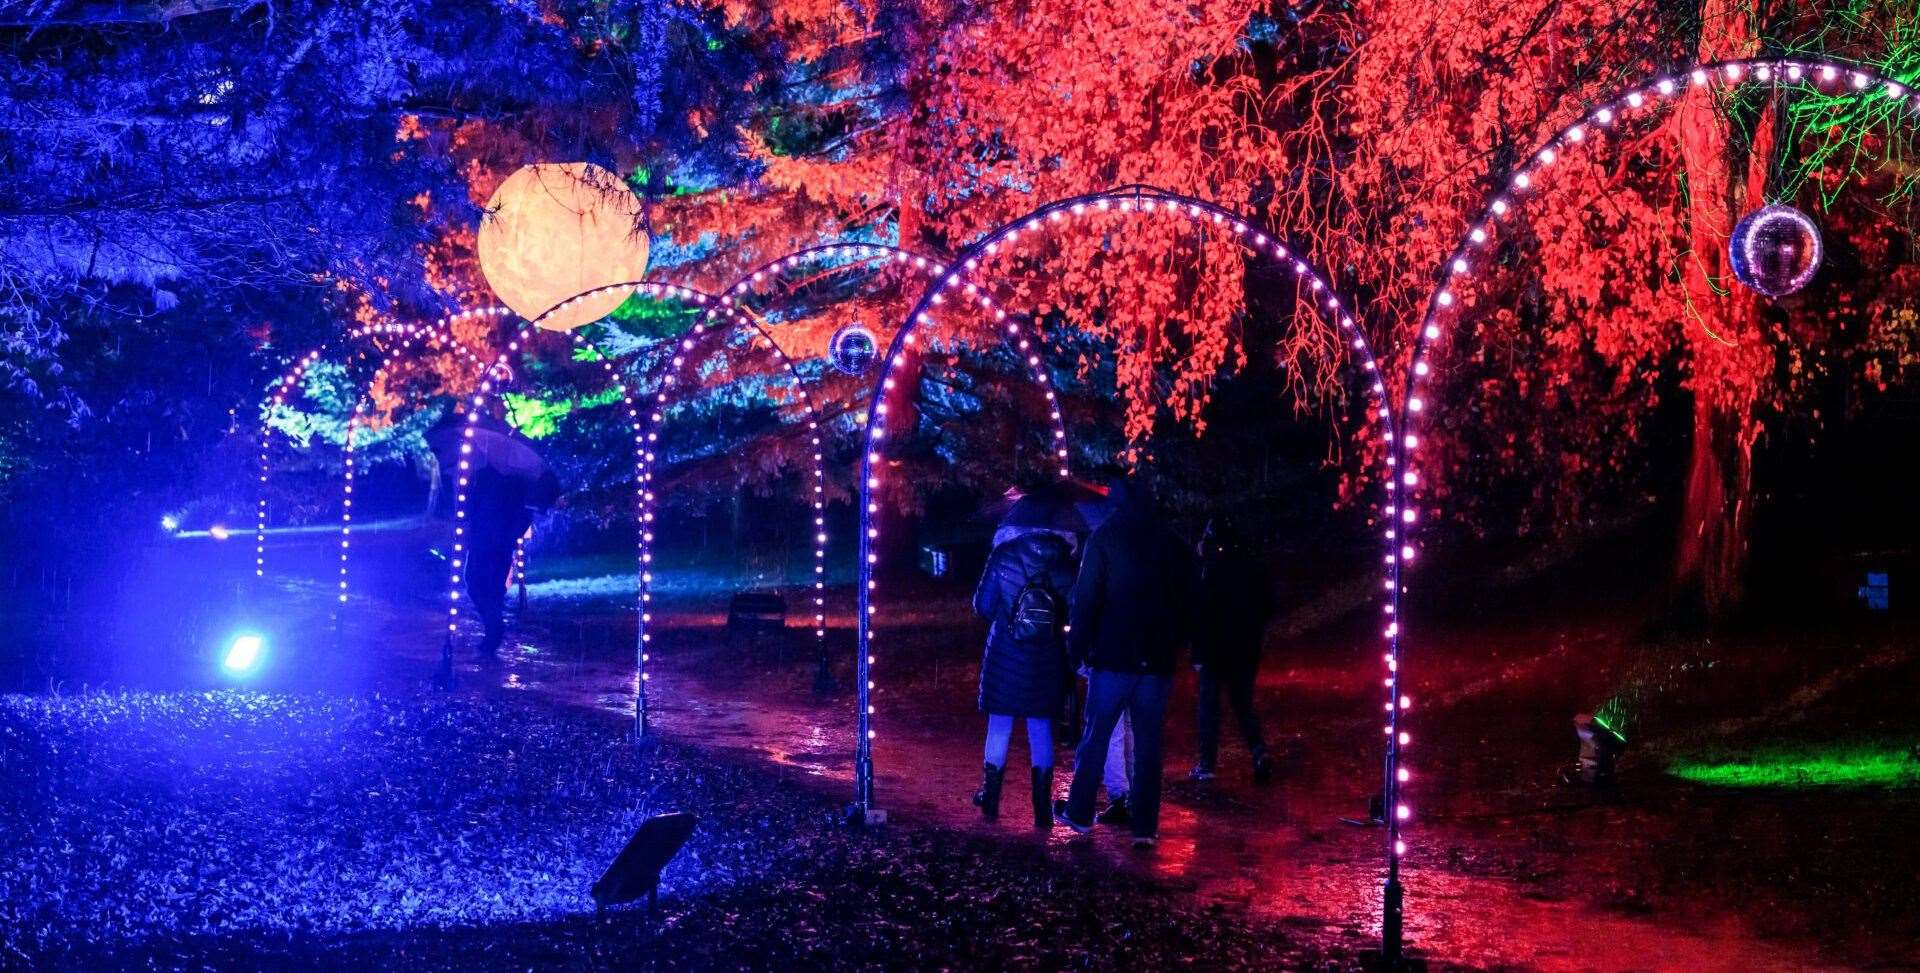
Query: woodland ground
point(1763, 819)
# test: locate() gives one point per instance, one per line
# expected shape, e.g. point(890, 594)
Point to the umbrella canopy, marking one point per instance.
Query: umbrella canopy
point(1063, 507)
point(494, 445)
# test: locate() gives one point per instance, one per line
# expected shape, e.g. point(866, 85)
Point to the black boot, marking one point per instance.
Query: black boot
point(1262, 766)
point(987, 798)
point(1043, 798)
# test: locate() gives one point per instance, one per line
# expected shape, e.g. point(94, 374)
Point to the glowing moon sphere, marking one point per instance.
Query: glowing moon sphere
point(852, 349)
point(1775, 250)
point(554, 231)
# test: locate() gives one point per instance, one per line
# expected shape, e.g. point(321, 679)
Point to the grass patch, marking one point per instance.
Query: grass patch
point(1805, 766)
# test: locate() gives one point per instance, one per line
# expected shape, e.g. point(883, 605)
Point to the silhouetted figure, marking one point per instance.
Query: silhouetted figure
point(1132, 610)
point(1023, 592)
point(497, 516)
point(1234, 605)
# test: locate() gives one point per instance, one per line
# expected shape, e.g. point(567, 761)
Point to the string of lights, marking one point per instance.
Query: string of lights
point(439, 333)
point(644, 440)
point(283, 388)
point(856, 253)
point(1062, 216)
point(1445, 312)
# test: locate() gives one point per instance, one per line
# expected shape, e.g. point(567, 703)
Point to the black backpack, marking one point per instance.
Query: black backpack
point(1036, 613)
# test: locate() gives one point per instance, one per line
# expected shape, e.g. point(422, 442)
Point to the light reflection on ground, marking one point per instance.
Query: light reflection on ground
point(1279, 852)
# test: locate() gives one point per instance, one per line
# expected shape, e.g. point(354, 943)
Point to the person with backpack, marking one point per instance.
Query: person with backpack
point(1023, 594)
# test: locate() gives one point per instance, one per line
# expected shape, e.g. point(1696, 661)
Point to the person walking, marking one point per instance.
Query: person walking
point(1023, 675)
point(1130, 617)
point(497, 517)
point(1234, 604)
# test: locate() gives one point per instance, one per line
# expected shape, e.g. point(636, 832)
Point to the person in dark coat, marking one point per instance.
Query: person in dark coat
point(1131, 615)
point(1234, 604)
point(1023, 593)
point(497, 516)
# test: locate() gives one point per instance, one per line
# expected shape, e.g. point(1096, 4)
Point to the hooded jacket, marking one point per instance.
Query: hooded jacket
point(1023, 677)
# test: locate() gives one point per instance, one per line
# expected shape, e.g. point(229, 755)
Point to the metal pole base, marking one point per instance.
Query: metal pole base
point(1392, 957)
point(858, 816)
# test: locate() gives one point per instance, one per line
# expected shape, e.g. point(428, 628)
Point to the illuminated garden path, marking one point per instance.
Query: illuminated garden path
point(1279, 852)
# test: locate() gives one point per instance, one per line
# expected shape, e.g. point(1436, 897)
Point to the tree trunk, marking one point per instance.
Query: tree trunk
point(430, 463)
point(1731, 357)
point(1713, 526)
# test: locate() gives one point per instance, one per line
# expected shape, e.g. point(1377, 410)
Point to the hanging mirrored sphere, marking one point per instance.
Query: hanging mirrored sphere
point(852, 349)
point(1775, 250)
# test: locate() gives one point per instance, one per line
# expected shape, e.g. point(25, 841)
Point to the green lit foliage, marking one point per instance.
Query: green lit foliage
point(1842, 131)
point(1793, 767)
point(538, 417)
point(646, 319)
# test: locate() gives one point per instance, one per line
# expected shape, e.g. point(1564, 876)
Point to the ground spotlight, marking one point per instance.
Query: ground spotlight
point(635, 872)
point(244, 654)
point(1600, 748)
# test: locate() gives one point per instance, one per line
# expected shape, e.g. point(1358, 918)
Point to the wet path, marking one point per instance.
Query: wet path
point(1280, 851)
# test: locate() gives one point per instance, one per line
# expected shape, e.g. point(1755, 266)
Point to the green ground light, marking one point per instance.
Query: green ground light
point(1856, 765)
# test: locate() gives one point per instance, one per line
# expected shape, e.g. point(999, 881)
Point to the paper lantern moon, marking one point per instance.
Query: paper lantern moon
point(554, 231)
point(1775, 250)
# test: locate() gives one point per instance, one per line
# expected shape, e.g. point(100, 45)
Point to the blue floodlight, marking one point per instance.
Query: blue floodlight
point(244, 654)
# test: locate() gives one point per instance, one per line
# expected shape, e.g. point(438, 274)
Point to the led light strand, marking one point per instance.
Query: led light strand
point(730, 303)
point(282, 387)
point(1140, 200)
point(643, 472)
point(439, 333)
point(1444, 312)
point(275, 399)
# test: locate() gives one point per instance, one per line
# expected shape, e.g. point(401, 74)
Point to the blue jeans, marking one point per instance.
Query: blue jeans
point(1144, 700)
point(1039, 740)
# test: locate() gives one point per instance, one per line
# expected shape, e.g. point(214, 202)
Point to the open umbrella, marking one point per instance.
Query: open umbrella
point(1064, 507)
point(494, 445)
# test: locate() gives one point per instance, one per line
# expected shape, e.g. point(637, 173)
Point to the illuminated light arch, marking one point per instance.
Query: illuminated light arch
point(730, 304)
point(727, 304)
point(440, 333)
point(290, 379)
point(1475, 249)
point(643, 477)
point(1136, 201)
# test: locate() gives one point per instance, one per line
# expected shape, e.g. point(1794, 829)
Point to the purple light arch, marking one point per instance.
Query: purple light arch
point(1475, 249)
point(439, 333)
point(728, 304)
point(642, 477)
point(731, 302)
point(1140, 201)
point(288, 380)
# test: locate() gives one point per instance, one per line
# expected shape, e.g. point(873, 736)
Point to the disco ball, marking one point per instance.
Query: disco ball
point(1775, 250)
point(852, 349)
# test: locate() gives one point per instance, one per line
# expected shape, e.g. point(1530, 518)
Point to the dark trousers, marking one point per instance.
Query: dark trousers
point(487, 567)
point(1144, 699)
point(1238, 686)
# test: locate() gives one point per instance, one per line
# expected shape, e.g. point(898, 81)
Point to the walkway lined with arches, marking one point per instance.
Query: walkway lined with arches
point(1400, 423)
